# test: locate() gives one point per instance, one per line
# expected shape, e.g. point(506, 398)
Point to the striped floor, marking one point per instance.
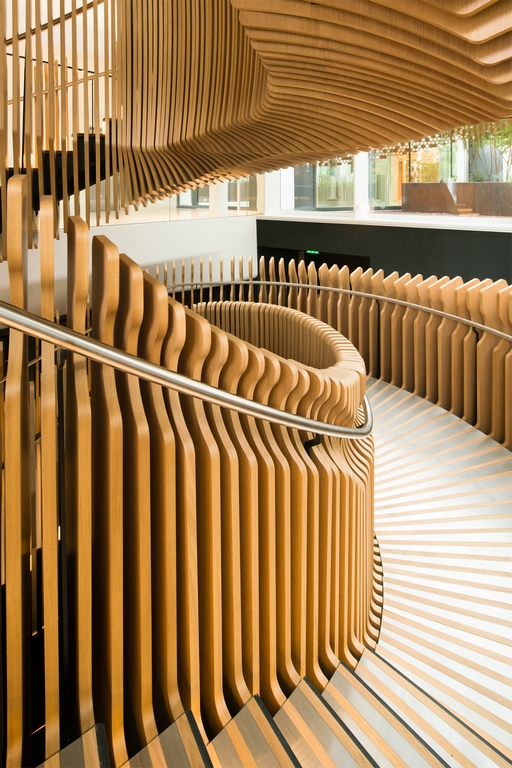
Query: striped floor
point(437, 691)
point(443, 519)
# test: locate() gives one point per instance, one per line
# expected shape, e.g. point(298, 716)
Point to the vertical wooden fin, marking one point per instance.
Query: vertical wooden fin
point(138, 665)
point(49, 511)
point(186, 524)
point(195, 350)
point(230, 527)
point(168, 704)
point(78, 473)
point(270, 686)
point(229, 377)
point(484, 353)
point(107, 439)
point(17, 484)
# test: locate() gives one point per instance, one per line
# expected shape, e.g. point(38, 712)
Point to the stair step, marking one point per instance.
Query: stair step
point(89, 751)
point(387, 738)
point(474, 705)
point(316, 734)
point(443, 520)
point(458, 745)
point(179, 746)
point(251, 739)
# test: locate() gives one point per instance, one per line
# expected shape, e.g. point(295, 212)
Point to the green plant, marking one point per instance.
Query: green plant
point(490, 146)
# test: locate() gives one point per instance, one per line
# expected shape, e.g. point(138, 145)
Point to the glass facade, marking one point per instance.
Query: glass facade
point(474, 154)
point(324, 187)
point(195, 198)
point(388, 169)
point(243, 194)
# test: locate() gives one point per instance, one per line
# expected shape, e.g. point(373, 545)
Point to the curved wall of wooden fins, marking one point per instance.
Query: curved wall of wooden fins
point(465, 371)
point(201, 556)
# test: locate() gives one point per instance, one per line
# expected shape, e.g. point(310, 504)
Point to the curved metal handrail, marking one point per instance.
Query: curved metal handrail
point(350, 292)
point(45, 330)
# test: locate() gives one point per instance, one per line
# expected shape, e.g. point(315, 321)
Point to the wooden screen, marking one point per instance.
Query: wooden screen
point(162, 554)
point(465, 371)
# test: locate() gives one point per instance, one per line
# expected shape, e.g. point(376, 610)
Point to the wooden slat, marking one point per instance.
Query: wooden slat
point(500, 403)
point(136, 514)
point(51, 119)
point(49, 490)
point(231, 514)
point(270, 688)
point(411, 295)
point(107, 494)
point(470, 354)
point(78, 474)
point(86, 106)
point(444, 335)
point(17, 485)
point(484, 354)
point(3, 119)
point(167, 699)
point(64, 109)
point(195, 350)
point(186, 524)
point(248, 500)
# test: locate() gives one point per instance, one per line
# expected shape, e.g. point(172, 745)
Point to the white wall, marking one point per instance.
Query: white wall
point(153, 243)
point(287, 189)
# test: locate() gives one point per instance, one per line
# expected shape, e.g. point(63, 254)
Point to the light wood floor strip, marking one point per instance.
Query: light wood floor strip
point(423, 752)
point(449, 633)
point(408, 706)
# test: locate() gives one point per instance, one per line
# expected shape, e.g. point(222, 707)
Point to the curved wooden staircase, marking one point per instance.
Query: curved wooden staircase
point(427, 685)
point(437, 689)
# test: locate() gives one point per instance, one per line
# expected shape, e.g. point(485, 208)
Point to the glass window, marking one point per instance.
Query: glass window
point(243, 193)
point(304, 178)
point(431, 160)
point(195, 198)
point(324, 187)
point(387, 175)
point(335, 186)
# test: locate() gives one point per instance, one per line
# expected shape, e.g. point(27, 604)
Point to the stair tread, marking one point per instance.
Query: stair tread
point(315, 733)
point(443, 520)
point(251, 739)
point(180, 745)
point(455, 742)
point(384, 735)
point(91, 749)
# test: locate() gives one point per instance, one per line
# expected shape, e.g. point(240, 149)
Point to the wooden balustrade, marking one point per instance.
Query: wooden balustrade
point(190, 557)
point(170, 558)
point(461, 369)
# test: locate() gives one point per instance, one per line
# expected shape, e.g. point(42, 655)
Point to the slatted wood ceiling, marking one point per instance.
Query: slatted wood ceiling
point(191, 92)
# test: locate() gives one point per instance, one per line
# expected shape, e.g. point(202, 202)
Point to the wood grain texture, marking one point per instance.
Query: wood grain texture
point(78, 478)
point(107, 494)
point(136, 513)
point(17, 499)
point(212, 557)
point(186, 523)
point(167, 699)
point(49, 490)
point(451, 364)
point(175, 96)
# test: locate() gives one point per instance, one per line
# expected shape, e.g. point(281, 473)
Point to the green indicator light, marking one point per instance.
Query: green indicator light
point(316, 253)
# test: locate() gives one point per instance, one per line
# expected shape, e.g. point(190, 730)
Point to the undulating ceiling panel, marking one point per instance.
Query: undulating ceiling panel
point(244, 86)
point(160, 96)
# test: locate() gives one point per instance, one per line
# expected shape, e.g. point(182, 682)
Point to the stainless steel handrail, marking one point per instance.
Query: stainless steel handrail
point(350, 292)
point(45, 330)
